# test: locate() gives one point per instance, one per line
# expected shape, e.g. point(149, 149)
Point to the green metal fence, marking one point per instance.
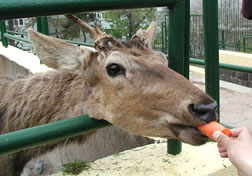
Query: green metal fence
point(178, 50)
point(234, 30)
point(233, 26)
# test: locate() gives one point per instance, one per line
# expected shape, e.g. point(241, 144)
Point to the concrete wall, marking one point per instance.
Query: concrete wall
point(236, 58)
point(241, 78)
point(10, 68)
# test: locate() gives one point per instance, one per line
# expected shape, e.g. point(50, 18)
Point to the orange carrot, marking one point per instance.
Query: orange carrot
point(211, 127)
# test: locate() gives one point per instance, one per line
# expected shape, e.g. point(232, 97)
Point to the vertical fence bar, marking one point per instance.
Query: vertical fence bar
point(244, 44)
point(210, 13)
point(166, 33)
point(187, 39)
point(3, 30)
point(223, 39)
point(39, 24)
point(163, 38)
point(45, 29)
point(178, 36)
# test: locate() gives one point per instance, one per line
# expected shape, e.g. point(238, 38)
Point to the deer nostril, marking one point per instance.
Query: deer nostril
point(204, 112)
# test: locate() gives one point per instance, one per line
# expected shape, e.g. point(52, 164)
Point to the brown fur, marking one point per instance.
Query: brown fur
point(149, 99)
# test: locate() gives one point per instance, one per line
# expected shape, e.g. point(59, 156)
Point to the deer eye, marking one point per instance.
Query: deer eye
point(115, 69)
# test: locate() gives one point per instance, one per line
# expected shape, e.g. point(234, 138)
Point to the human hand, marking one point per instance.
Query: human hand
point(238, 149)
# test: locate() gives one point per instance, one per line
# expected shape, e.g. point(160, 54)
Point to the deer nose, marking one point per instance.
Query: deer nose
point(204, 112)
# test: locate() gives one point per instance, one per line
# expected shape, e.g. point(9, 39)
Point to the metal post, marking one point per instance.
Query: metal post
point(166, 33)
point(163, 37)
point(244, 44)
point(187, 39)
point(210, 14)
point(178, 56)
point(223, 38)
point(238, 45)
point(42, 25)
point(166, 38)
point(39, 24)
point(3, 30)
point(45, 29)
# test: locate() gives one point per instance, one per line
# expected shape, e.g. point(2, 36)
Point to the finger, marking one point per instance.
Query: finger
point(222, 149)
point(222, 139)
point(219, 145)
point(240, 173)
point(224, 155)
point(236, 132)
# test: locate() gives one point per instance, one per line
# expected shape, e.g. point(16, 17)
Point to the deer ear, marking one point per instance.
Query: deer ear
point(59, 54)
point(147, 36)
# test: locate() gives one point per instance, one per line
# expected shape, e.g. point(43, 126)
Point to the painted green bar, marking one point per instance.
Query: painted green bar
point(210, 15)
point(31, 8)
point(174, 146)
point(52, 132)
point(227, 126)
point(187, 39)
point(177, 37)
point(177, 43)
point(45, 29)
point(39, 24)
point(225, 66)
point(13, 37)
point(17, 33)
point(3, 30)
point(80, 43)
point(163, 38)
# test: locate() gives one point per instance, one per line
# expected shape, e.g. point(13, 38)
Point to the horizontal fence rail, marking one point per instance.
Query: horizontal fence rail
point(25, 40)
point(17, 33)
point(225, 66)
point(30, 8)
point(52, 132)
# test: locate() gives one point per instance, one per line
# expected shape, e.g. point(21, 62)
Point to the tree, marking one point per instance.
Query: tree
point(70, 30)
point(124, 23)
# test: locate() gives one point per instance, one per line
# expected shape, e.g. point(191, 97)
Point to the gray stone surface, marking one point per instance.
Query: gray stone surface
point(235, 103)
point(237, 77)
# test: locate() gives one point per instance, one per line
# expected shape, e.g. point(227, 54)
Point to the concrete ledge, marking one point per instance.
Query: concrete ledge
point(235, 58)
point(23, 58)
point(197, 71)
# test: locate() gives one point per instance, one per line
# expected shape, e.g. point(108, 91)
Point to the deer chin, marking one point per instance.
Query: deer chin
point(188, 134)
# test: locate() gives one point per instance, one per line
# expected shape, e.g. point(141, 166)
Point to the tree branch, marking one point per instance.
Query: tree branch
point(140, 21)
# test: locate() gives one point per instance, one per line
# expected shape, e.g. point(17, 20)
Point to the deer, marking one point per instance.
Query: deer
point(125, 83)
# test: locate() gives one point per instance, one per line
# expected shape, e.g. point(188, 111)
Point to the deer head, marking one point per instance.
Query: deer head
point(131, 85)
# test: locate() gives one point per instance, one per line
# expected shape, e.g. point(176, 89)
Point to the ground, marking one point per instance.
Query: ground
point(153, 160)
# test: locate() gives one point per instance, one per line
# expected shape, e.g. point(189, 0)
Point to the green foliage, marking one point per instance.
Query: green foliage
point(69, 29)
point(124, 23)
point(74, 168)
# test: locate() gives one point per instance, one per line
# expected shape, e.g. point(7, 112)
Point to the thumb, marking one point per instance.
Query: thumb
point(221, 138)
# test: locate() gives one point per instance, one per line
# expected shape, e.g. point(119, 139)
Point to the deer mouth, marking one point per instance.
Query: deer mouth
point(188, 134)
point(191, 128)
